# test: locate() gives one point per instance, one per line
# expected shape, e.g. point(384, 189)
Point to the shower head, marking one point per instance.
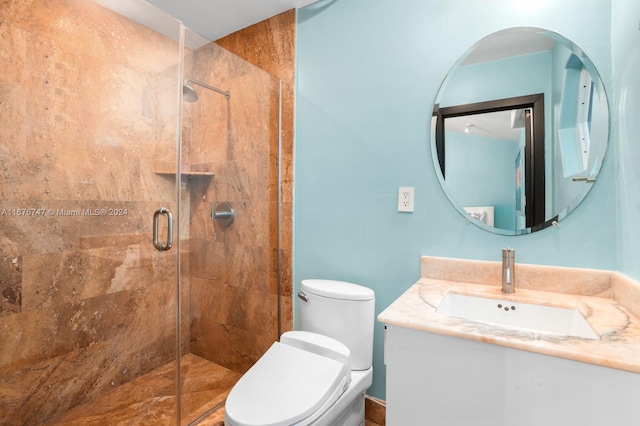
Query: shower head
point(190, 95)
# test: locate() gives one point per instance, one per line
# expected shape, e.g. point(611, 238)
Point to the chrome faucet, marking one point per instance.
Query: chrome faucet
point(508, 270)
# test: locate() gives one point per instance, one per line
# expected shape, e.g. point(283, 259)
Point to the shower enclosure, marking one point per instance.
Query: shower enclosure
point(100, 156)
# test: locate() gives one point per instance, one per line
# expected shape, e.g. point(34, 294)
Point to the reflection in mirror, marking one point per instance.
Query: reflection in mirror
point(505, 133)
point(519, 130)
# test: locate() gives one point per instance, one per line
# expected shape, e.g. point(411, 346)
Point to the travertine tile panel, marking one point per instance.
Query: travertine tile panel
point(87, 105)
point(86, 118)
point(150, 399)
point(271, 46)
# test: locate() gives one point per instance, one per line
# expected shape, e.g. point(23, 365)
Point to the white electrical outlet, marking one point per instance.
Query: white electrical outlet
point(405, 199)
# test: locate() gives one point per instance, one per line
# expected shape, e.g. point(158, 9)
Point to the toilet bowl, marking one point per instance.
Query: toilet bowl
point(316, 377)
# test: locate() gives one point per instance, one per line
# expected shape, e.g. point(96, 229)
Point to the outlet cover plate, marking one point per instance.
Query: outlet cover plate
point(405, 199)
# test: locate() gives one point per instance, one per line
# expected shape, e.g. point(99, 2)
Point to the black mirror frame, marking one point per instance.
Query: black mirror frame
point(534, 148)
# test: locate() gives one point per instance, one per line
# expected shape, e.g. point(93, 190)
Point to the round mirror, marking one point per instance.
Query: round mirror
point(520, 127)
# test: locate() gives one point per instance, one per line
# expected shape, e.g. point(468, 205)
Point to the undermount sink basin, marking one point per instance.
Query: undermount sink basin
point(524, 316)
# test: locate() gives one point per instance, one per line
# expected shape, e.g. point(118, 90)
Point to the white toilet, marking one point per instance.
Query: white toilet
point(317, 376)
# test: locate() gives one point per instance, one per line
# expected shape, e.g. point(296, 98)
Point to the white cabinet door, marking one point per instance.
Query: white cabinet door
point(441, 380)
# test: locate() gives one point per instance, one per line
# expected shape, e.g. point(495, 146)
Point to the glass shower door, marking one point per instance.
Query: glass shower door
point(89, 130)
point(230, 159)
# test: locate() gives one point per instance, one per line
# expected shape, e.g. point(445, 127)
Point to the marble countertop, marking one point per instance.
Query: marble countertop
point(608, 301)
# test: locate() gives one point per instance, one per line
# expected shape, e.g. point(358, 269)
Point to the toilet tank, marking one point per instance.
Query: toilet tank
point(343, 311)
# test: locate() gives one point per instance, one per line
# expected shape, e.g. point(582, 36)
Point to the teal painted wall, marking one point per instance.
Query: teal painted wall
point(368, 72)
point(522, 75)
point(626, 102)
point(474, 184)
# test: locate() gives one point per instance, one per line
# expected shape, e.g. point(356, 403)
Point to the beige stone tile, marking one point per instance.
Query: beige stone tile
point(86, 127)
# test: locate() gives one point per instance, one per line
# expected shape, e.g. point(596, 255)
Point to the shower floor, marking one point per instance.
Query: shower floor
point(150, 399)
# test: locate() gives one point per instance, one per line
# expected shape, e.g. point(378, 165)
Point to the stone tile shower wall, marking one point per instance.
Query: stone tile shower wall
point(270, 45)
point(233, 271)
point(87, 108)
point(87, 114)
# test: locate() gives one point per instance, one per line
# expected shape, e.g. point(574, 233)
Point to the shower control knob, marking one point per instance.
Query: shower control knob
point(224, 213)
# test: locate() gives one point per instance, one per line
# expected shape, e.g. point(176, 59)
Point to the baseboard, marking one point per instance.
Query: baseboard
point(375, 411)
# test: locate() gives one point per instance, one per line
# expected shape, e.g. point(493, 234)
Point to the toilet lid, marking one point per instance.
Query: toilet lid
point(285, 386)
point(337, 289)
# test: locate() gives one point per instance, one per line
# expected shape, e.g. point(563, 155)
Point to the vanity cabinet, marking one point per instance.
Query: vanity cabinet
point(442, 380)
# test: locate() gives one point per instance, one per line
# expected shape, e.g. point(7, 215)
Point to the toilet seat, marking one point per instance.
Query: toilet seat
point(286, 386)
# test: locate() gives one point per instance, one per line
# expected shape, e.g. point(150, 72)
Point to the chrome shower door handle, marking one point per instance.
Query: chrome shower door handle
point(165, 212)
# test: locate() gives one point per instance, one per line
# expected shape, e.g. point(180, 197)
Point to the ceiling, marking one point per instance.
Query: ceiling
point(502, 45)
point(208, 19)
point(496, 125)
